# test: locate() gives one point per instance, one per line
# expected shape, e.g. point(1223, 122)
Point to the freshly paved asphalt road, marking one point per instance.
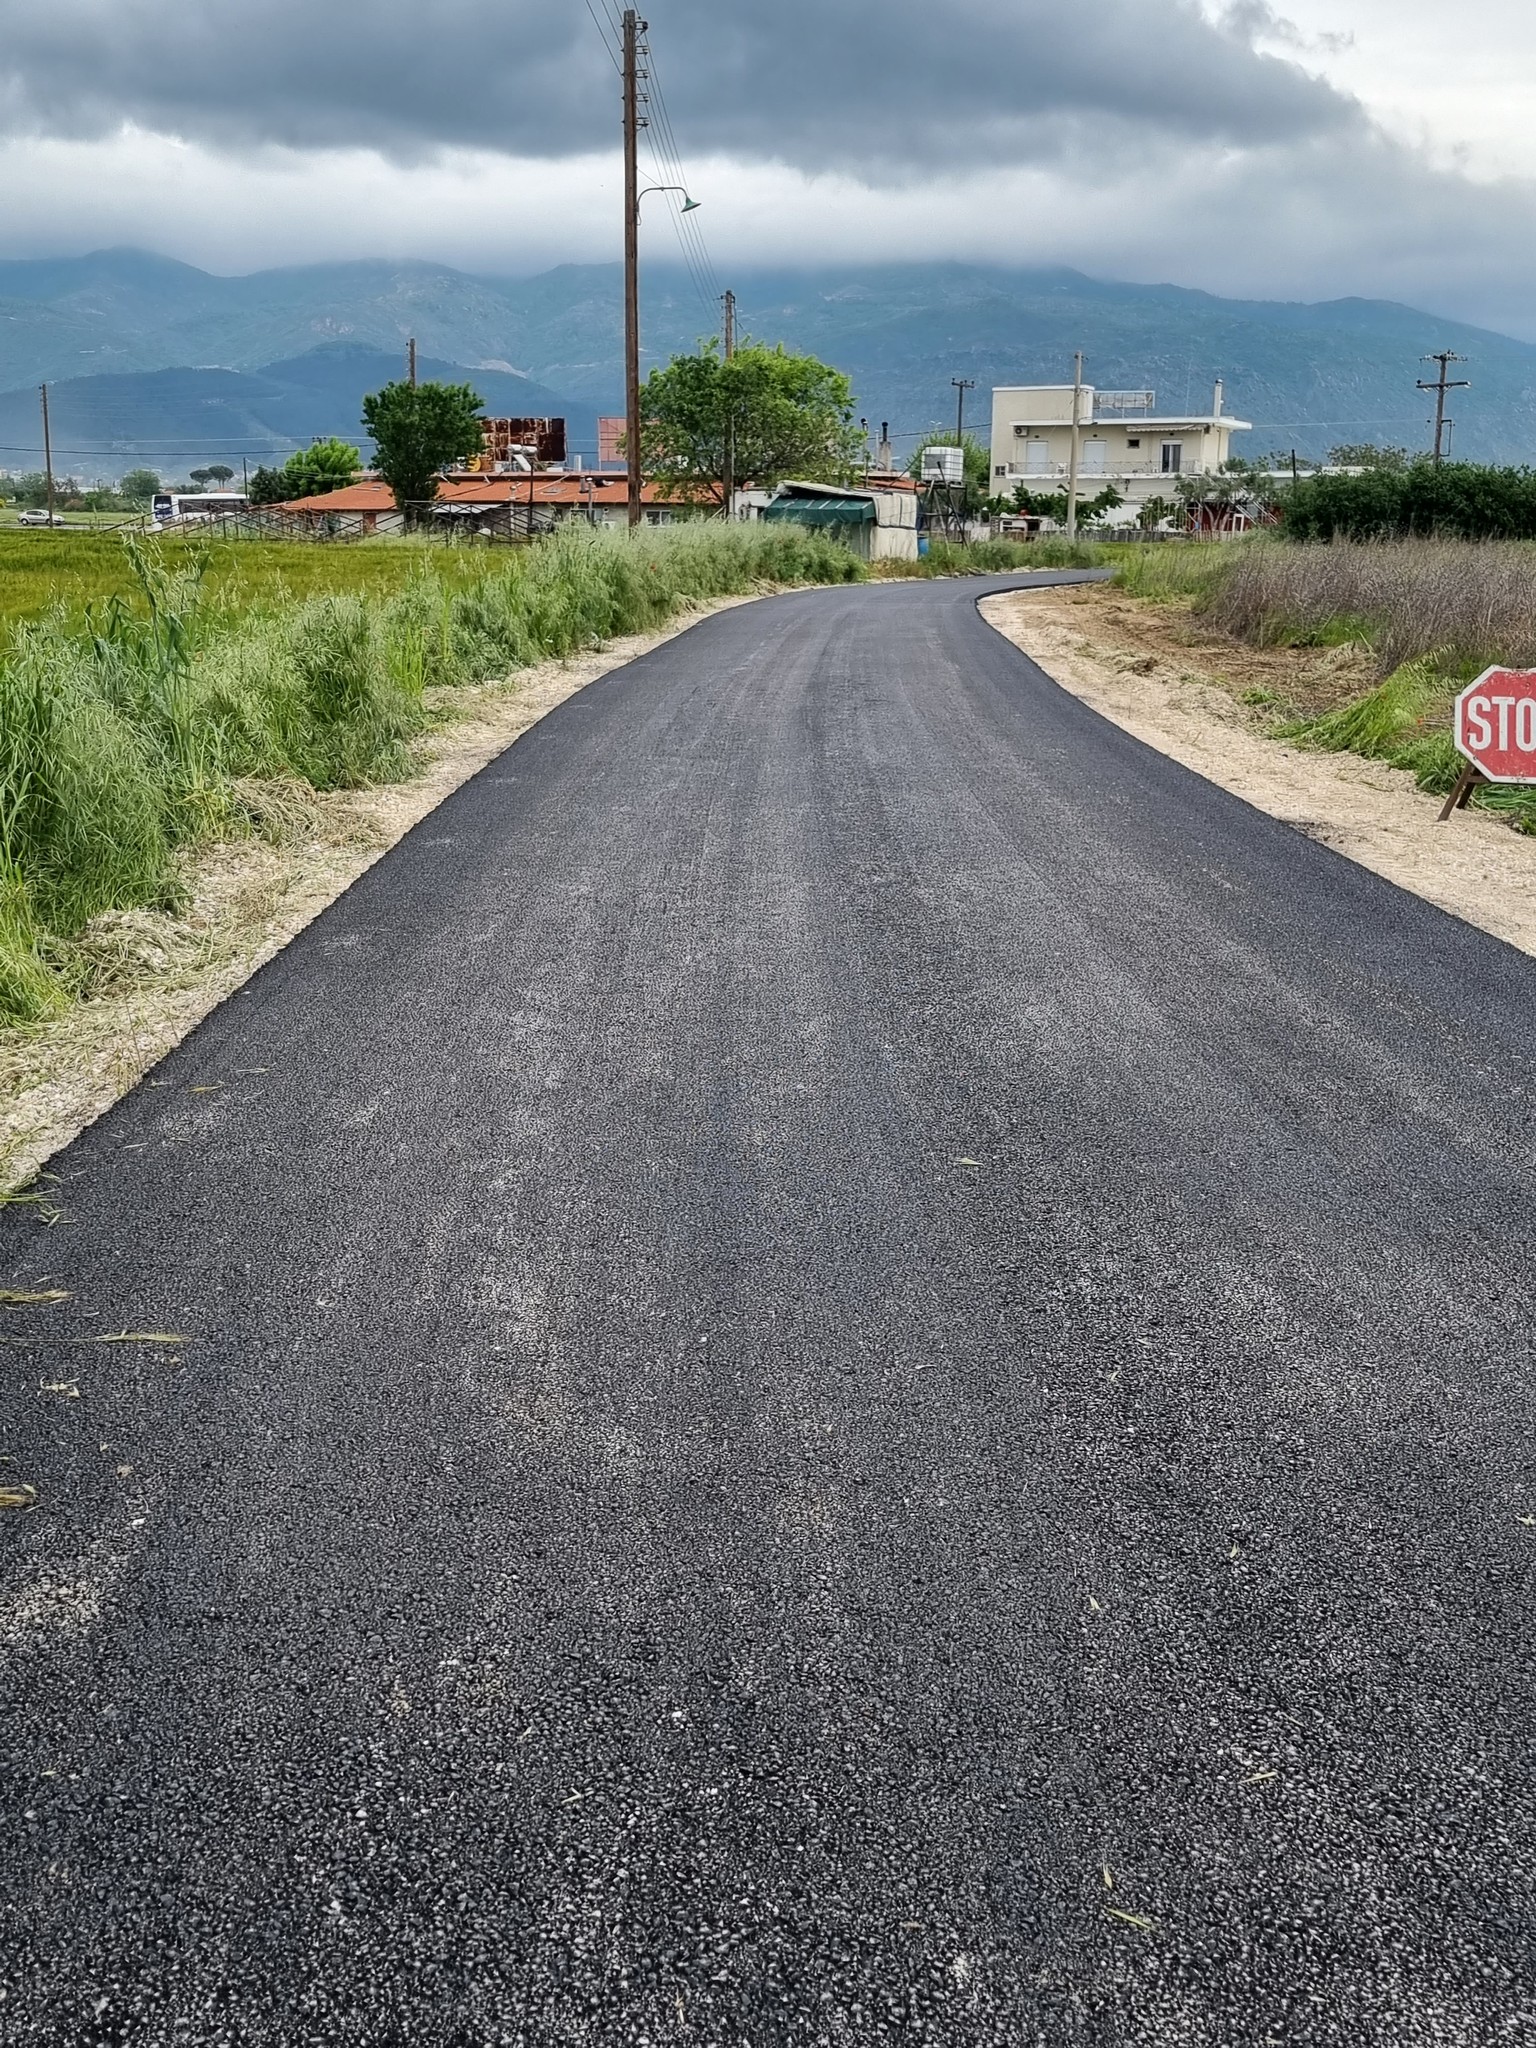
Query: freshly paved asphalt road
point(836, 1302)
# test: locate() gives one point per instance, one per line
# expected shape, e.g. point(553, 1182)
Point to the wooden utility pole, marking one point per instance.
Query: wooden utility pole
point(632, 261)
point(47, 453)
point(1077, 406)
point(962, 385)
point(1440, 385)
point(411, 359)
point(728, 481)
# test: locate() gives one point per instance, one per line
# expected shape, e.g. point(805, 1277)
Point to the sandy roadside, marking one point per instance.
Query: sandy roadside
point(246, 900)
point(1179, 700)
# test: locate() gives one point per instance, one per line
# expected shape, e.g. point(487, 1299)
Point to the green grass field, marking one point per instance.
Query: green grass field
point(40, 568)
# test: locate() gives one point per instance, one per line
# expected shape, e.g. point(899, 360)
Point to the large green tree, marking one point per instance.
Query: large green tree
point(775, 414)
point(418, 429)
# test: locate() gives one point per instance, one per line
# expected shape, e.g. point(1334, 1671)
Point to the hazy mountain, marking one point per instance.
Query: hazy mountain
point(1306, 375)
point(176, 419)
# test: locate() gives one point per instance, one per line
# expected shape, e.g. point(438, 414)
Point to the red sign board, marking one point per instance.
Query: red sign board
point(1496, 724)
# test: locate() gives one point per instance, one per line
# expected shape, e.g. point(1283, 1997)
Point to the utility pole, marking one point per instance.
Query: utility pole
point(728, 481)
point(48, 454)
point(632, 260)
point(1077, 406)
point(962, 385)
point(1441, 384)
point(411, 360)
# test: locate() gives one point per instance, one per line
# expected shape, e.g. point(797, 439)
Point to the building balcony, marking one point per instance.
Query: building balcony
point(1112, 473)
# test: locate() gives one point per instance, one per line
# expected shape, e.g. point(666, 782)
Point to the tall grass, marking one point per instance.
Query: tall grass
point(1172, 572)
point(1429, 614)
point(995, 557)
point(1467, 603)
point(160, 722)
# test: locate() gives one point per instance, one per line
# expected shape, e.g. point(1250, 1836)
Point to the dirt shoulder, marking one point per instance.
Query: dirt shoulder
point(158, 975)
point(1154, 671)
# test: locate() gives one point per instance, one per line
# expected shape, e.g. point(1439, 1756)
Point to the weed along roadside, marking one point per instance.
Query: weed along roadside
point(186, 778)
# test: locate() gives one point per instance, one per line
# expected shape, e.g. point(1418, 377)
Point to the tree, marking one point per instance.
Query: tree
point(220, 472)
point(418, 429)
point(781, 415)
point(1053, 504)
point(1366, 455)
point(268, 486)
point(139, 486)
point(1153, 512)
point(321, 467)
point(200, 477)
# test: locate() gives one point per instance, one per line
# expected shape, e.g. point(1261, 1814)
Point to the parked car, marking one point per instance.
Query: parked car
point(39, 518)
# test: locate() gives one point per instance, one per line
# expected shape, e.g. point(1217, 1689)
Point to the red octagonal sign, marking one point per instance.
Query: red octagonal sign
point(1496, 724)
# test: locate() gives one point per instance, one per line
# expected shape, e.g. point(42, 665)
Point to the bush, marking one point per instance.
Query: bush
point(1454, 500)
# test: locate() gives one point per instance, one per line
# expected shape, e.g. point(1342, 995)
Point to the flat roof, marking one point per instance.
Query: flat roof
point(1185, 421)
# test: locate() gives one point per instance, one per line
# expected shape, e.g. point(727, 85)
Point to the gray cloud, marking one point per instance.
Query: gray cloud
point(887, 85)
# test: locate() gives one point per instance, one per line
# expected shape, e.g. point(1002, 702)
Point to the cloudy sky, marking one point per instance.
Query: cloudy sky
point(1306, 148)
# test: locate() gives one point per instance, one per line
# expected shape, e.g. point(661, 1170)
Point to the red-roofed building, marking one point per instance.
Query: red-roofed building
point(505, 503)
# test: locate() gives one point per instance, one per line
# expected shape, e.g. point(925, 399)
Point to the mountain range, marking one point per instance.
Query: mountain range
point(151, 359)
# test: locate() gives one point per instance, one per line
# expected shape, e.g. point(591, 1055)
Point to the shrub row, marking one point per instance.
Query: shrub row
point(1457, 500)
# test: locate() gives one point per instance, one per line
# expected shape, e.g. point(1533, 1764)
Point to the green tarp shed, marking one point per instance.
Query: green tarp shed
point(822, 511)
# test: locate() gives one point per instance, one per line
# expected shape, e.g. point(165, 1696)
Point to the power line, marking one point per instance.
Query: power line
point(613, 57)
point(661, 140)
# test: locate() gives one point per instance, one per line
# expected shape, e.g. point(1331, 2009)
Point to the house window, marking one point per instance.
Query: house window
point(1133, 441)
point(1173, 457)
point(1037, 457)
point(999, 469)
point(1095, 452)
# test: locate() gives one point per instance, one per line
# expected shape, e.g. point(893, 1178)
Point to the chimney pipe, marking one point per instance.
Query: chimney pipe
point(1220, 394)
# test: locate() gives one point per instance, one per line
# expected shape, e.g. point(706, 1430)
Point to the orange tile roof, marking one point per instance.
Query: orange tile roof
point(550, 487)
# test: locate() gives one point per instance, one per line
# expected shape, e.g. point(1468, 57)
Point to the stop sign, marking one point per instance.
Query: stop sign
point(1496, 724)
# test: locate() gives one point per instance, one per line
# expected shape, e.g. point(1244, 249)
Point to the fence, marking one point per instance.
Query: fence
point(452, 525)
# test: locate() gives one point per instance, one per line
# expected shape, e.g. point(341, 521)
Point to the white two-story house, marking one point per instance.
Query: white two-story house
point(1122, 440)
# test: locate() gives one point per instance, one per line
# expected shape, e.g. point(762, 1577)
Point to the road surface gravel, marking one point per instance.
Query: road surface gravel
point(844, 1362)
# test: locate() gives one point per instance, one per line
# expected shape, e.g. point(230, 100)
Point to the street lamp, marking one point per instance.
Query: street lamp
point(688, 205)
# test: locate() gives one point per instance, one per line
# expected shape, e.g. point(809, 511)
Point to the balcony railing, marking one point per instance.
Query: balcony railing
point(1059, 470)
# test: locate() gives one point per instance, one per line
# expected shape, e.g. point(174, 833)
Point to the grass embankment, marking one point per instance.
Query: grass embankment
point(191, 706)
point(1429, 615)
